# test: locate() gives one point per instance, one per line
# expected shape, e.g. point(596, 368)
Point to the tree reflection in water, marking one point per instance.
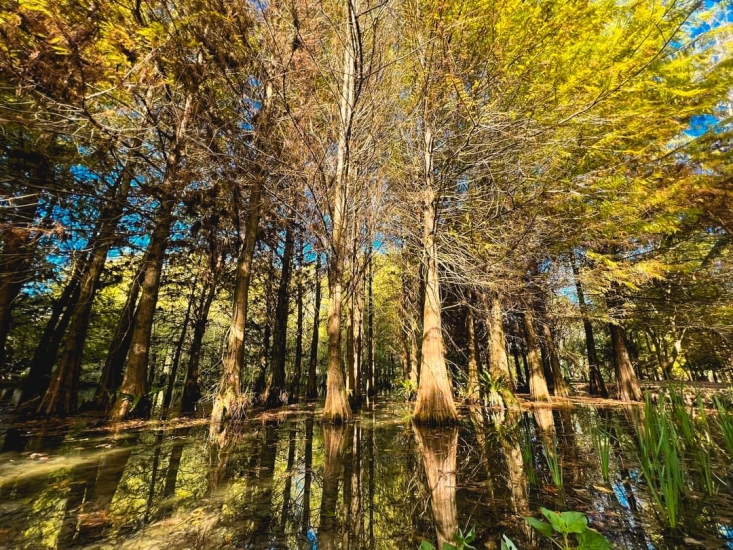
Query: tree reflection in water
point(439, 448)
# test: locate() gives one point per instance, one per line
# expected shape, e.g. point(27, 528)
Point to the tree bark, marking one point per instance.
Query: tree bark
point(168, 397)
point(472, 387)
point(597, 385)
point(559, 384)
point(61, 397)
point(337, 407)
point(298, 362)
point(537, 384)
point(434, 395)
point(277, 392)
point(135, 384)
point(626, 380)
point(311, 391)
point(191, 389)
point(114, 363)
point(39, 373)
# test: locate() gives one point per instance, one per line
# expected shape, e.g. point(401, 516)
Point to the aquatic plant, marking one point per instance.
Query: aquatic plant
point(553, 463)
point(725, 423)
point(560, 526)
point(602, 445)
point(497, 389)
point(659, 458)
point(527, 455)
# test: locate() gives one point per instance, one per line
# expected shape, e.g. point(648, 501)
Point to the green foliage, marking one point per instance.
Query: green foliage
point(461, 541)
point(560, 526)
point(497, 389)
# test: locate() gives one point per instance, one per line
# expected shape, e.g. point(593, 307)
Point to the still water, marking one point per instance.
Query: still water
point(287, 481)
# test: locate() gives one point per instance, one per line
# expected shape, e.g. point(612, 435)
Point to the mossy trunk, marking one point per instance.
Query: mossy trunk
point(537, 384)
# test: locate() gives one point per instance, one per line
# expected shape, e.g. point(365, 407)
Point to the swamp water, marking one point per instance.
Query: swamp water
point(286, 481)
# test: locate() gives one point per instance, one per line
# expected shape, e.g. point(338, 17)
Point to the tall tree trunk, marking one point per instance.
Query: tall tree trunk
point(537, 384)
point(168, 397)
point(191, 389)
point(298, 363)
point(472, 387)
point(277, 392)
point(114, 363)
point(370, 390)
point(434, 395)
point(311, 390)
point(559, 384)
point(597, 386)
point(498, 360)
point(337, 407)
point(18, 241)
point(355, 359)
point(61, 397)
point(134, 386)
point(226, 402)
point(39, 373)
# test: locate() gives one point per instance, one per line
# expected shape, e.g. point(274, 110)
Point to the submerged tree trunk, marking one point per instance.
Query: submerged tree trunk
point(537, 384)
point(311, 390)
point(277, 392)
point(434, 394)
point(439, 451)
point(134, 386)
point(559, 384)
